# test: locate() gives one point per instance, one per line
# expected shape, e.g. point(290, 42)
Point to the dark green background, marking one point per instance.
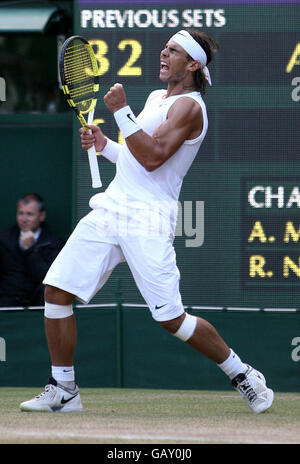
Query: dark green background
point(36, 156)
point(138, 353)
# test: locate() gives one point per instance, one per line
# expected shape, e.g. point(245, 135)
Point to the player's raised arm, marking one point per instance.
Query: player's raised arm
point(184, 122)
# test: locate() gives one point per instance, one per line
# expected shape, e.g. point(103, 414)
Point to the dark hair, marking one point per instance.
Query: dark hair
point(210, 47)
point(33, 197)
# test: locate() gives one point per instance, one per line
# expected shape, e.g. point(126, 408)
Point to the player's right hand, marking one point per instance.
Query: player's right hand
point(91, 137)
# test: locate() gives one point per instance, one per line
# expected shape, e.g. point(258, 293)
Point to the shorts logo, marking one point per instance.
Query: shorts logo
point(158, 307)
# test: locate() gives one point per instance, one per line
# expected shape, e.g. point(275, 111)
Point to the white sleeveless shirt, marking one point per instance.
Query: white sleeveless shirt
point(132, 182)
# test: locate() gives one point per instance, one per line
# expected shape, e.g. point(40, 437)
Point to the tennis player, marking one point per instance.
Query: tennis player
point(160, 146)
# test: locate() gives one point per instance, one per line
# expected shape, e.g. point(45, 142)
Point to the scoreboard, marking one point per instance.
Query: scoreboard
point(238, 236)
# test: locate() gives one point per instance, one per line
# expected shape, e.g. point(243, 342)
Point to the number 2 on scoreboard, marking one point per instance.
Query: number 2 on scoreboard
point(100, 48)
point(136, 50)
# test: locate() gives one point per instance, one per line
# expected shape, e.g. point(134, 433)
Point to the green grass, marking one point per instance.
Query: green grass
point(151, 416)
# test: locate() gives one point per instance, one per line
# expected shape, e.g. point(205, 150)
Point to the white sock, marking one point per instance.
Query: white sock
point(65, 375)
point(232, 366)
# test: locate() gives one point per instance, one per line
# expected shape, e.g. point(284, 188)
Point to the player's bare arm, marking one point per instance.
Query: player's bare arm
point(184, 122)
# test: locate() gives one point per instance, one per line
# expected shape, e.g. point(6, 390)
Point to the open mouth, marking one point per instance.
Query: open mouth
point(164, 66)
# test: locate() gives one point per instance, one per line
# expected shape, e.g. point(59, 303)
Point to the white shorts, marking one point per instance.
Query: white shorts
point(94, 250)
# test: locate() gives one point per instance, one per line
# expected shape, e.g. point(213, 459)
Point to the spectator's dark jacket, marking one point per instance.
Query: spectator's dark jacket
point(22, 271)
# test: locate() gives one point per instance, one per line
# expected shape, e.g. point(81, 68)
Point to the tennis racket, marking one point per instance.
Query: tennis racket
point(79, 76)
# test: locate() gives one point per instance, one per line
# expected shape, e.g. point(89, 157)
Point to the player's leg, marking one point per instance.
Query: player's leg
point(204, 339)
point(81, 269)
point(202, 336)
point(152, 261)
point(60, 326)
point(61, 393)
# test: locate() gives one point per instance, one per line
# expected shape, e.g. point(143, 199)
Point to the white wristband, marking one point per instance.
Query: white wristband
point(111, 150)
point(126, 121)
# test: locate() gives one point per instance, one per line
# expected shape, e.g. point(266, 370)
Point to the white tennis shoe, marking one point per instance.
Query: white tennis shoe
point(253, 389)
point(55, 398)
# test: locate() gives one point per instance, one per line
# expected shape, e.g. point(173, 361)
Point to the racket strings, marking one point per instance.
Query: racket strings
point(78, 58)
point(74, 63)
point(80, 70)
point(79, 76)
point(73, 54)
point(81, 91)
point(86, 91)
point(74, 78)
point(76, 69)
point(76, 44)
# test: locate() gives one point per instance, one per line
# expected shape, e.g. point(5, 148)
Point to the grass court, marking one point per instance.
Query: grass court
point(142, 416)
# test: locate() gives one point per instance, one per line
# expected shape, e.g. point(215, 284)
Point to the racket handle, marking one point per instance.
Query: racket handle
point(94, 168)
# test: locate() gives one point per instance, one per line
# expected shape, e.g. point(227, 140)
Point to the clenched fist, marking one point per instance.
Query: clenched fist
point(115, 99)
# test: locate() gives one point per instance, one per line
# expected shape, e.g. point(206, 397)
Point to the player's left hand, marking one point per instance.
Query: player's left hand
point(115, 99)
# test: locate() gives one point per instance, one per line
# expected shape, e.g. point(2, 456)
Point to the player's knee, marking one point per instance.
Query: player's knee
point(58, 303)
point(55, 295)
point(183, 327)
point(173, 324)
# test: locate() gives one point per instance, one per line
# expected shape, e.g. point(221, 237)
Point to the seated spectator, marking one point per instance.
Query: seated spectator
point(27, 250)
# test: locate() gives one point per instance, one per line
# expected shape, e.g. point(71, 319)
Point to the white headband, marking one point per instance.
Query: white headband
point(194, 49)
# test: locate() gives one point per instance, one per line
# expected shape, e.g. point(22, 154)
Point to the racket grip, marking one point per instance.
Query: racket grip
point(94, 168)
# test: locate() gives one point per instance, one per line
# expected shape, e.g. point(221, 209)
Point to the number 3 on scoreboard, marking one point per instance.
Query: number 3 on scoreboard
point(100, 48)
